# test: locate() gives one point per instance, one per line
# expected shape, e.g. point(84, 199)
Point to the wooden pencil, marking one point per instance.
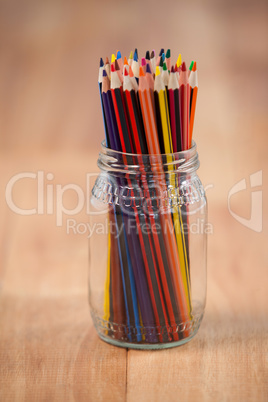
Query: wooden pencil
point(184, 106)
point(193, 96)
point(174, 109)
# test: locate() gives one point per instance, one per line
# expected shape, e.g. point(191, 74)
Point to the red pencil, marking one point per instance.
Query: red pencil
point(120, 112)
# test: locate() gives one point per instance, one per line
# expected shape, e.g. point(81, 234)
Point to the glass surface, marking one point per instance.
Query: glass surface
point(147, 276)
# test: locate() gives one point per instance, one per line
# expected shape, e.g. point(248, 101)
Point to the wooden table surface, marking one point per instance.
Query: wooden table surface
point(50, 121)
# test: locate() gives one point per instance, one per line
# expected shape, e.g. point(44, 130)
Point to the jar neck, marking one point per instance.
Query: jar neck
point(186, 162)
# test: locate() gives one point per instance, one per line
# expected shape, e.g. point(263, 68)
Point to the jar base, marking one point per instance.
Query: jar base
point(107, 332)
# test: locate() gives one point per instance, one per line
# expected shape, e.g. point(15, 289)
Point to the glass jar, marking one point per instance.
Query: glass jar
point(147, 278)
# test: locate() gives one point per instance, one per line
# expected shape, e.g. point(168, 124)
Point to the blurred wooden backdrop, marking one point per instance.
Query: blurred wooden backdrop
point(50, 120)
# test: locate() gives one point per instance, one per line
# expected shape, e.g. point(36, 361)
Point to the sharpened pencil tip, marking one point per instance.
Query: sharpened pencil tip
point(131, 55)
point(191, 66)
point(164, 67)
point(143, 61)
point(161, 62)
point(130, 72)
point(168, 54)
point(101, 62)
point(147, 55)
point(148, 69)
point(179, 61)
point(163, 56)
point(194, 66)
point(104, 74)
point(157, 71)
point(125, 61)
point(141, 72)
point(118, 55)
point(161, 51)
point(183, 67)
point(113, 58)
point(136, 52)
point(172, 69)
point(116, 65)
point(135, 57)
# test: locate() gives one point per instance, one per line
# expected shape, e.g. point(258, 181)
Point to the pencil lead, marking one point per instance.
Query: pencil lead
point(161, 62)
point(183, 67)
point(125, 61)
point(168, 53)
point(130, 72)
point(101, 62)
point(194, 66)
point(172, 69)
point(163, 56)
point(106, 60)
point(131, 55)
point(104, 74)
point(136, 51)
point(113, 58)
point(135, 57)
point(147, 55)
point(164, 66)
point(143, 61)
point(179, 61)
point(152, 54)
point(161, 51)
point(118, 55)
point(141, 72)
point(148, 69)
point(157, 71)
point(191, 66)
point(116, 65)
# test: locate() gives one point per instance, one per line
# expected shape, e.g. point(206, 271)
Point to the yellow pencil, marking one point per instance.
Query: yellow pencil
point(107, 282)
point(168, 148)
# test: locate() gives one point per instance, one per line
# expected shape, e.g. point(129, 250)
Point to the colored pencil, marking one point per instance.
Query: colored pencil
point(130, 58)
point(153, 61)
point(135, 66)
point(184, 106)
point(174, 109)
point(148, 107)
point(101, 68)
point(168, 60)
point(193, 95)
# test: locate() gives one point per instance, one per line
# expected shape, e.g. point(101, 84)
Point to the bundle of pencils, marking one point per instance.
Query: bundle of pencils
point(148, 107)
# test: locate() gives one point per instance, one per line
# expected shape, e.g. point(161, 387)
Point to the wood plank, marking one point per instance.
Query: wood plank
point(49, 349)
point(228, 358)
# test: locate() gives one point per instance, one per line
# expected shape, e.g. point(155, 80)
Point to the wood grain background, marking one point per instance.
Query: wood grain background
point(50, 121)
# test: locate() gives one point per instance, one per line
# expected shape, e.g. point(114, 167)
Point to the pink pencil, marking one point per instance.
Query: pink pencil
point(184, 94)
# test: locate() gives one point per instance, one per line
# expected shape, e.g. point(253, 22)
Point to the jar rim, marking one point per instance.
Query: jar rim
point(116, 161)
point(187, 154)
